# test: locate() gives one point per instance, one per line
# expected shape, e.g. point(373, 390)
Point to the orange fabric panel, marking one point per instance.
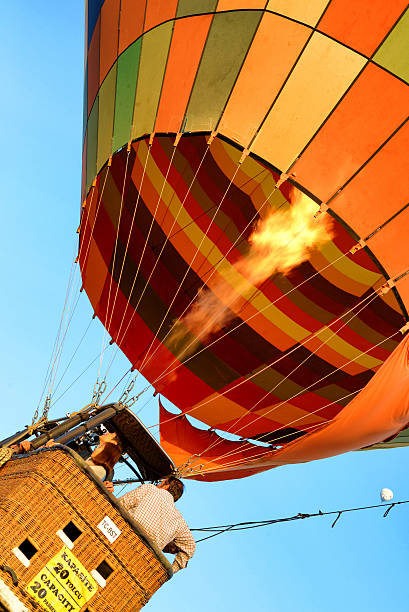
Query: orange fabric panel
point(321, 77)
point(374, 107)
point(109, 36)
point(93, 67)
point(361, 25)
point(379, 411)
point(189, 37)
point(131, 22)
point(204, 455)
point(276, 45)
point(402, 287)
point(379, 190)
point(94, 280)
point(390, 245)
point(159, 11)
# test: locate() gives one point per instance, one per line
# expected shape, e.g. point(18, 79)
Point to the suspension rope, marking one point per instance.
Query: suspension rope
point(153, 219)
point(277, 406)
point(91, 363)
point(97, 209)
point(273, 363)
point(69, 316)
point(249, 445)
point(219, 529)
point(113, 264)
point(213, 271)
point(166, 372)
point(190, 265)
point(323, 343)
point(161, 251)
point(57, 348)
point(73, 355)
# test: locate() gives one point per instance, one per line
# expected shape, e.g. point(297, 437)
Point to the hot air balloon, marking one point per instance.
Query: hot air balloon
point(205, 122)
point(242, 240)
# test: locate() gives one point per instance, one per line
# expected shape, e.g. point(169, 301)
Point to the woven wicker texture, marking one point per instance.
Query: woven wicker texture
point(39, 495)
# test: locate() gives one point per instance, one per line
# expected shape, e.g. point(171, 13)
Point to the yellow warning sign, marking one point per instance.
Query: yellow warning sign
point(63, 584)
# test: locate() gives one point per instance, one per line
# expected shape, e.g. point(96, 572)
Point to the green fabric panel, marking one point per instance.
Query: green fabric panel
point(128, 65)
point(195, 7)
point(393, 54)
point(154, 55)
point(92, 141)
point(227, 43)
point(106, 116)
point(85, 106)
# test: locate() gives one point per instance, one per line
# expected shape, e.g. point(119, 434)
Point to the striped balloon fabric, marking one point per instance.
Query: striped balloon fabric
point(204, 120)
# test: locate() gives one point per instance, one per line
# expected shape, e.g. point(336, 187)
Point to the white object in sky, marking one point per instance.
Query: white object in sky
point(386, 495)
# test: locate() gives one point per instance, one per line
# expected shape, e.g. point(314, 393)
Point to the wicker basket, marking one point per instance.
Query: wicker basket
point(44, 492)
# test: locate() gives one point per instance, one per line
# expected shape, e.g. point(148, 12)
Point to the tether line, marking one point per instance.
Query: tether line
point(219, 529)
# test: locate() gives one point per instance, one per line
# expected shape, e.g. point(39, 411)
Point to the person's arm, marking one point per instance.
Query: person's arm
point(186, 545)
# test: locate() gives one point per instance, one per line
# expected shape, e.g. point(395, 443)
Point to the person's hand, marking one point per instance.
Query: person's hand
point(109, 485)
point(171, 548)
point(51, 442)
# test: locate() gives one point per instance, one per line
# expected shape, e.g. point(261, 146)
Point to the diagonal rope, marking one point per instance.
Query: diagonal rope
point(64, 336)
point(298, 393)
point(104, 336)
point(97, 209)
point(153, 219)
point(166, 372)
point(269, 412)
point(163, 248)
point(280, 382)
point(51, 364)
point(213, 270)
point(191, 264)
point(73, 356)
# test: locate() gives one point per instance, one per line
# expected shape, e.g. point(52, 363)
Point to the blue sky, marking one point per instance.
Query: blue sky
point(301, 566)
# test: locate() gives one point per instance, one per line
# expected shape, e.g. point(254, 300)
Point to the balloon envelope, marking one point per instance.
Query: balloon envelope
point(201, 122)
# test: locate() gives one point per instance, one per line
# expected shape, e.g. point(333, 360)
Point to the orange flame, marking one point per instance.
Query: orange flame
point(279, 242)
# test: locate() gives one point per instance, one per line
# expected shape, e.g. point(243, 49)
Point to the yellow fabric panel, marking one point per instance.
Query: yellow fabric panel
point(106, 117)
point(272, 381)
point(342, 347)
point(154, 53)
point(307, 11)
point(345, 273)
point(235, 5)
point(320, 78)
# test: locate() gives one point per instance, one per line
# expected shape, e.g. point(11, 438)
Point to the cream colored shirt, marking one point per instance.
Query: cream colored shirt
point(154, 509)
